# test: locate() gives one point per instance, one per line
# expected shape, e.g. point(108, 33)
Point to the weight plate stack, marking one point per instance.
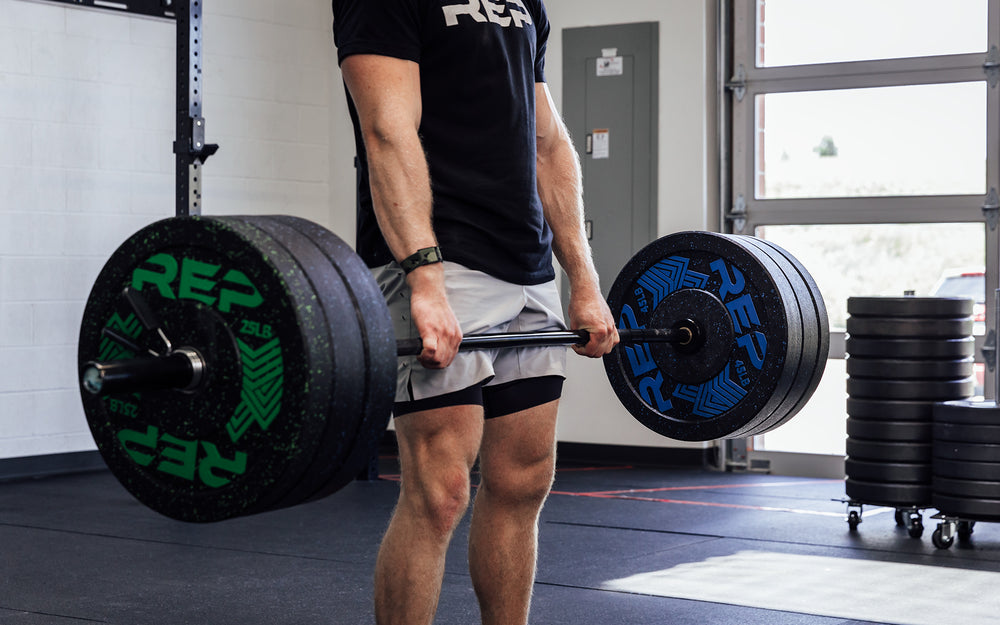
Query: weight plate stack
point(348, 436)
point(815, 334)
point(904, 354)
point(297, 364)
point(380, 353)
point(966, 467)
point(276, 367)
point(761, 345)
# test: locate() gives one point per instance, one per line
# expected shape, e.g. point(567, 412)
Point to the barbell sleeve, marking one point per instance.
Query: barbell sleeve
point(413, 347)
point(181, 370)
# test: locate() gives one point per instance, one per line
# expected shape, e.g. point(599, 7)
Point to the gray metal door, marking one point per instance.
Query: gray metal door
point(610, 105)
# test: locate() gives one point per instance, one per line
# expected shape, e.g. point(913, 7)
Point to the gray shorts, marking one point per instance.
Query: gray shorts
point(483, 305)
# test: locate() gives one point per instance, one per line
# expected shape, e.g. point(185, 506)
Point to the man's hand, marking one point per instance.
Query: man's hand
point(588, 311)
point(433, 317)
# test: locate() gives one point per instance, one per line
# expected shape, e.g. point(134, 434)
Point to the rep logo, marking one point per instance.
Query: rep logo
point(506, 14)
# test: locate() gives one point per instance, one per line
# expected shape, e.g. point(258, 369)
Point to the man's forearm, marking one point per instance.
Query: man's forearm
point(386, 92)
point(401, 193)
point(560, 188)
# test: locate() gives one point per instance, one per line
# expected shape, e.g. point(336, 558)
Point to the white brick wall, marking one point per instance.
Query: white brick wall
point(86, 128)
point(86, 125)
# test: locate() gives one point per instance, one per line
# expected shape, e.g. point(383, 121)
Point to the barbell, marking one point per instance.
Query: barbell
point(183, 368)
point(234, 365)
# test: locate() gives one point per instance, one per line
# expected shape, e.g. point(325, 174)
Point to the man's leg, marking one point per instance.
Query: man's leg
point(517, 461)
point(437, 449)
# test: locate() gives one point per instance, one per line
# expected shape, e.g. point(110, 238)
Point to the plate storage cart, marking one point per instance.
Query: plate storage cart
point(904, 355)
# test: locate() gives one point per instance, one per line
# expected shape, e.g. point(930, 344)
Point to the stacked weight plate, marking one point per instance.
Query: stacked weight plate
point(966, 478)
point(904, 354)
point(765, 328)
point(299, 357)
point(348, 436)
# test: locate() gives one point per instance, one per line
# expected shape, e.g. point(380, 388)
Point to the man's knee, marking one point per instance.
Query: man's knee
point(440, 500)
point(526, 485)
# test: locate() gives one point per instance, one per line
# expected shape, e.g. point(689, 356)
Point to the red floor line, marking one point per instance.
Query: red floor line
point(573, 470)
point(702, 503)
point(624, 495)
point(705, 487)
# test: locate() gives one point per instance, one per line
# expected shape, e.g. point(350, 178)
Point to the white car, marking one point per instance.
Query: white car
point(972, 284)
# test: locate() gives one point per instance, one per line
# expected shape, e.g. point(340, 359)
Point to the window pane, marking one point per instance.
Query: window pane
point(888, 260)
point(820, 427)
point(802, 32)
point(885, 141)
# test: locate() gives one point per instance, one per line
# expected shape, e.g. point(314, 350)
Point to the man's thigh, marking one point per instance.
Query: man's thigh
point(519, 449)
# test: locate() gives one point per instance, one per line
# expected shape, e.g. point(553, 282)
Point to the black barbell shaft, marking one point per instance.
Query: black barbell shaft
point(413, 347)
point(182, 369)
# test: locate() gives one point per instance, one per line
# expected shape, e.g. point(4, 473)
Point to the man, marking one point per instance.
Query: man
point(462, 158)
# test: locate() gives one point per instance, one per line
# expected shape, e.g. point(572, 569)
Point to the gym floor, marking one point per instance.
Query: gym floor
point(618, 545)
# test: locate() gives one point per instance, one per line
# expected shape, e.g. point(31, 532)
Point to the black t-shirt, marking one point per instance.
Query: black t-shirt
point(479, 62)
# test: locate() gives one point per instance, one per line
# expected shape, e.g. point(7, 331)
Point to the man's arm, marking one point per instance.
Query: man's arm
point(561, 191)
point(386, 93)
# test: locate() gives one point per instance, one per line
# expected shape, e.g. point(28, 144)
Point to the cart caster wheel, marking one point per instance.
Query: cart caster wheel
point(916, 527)
point(900, 520)
point(939, 540)
point(853, 520)
point(965, 530)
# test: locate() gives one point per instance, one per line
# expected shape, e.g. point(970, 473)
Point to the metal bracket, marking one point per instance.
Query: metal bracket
point(738, 83)
point(991, 209)
point(992, 66)
point(738, 216)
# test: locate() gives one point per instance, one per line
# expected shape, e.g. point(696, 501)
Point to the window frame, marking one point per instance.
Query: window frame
point(743, 212)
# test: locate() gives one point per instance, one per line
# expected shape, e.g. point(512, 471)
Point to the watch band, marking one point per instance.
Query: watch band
point(425, 256)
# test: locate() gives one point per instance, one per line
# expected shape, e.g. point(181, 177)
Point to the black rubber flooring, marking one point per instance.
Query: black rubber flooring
point(78, 549)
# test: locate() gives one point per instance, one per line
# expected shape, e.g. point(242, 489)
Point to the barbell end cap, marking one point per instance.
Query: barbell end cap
point(92, 378)
point(197, 367)
point(686, 336)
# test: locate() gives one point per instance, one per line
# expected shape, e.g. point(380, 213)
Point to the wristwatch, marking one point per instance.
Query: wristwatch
point(425, 256)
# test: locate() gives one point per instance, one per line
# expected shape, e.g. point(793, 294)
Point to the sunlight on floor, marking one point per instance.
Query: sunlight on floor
point(890, 592)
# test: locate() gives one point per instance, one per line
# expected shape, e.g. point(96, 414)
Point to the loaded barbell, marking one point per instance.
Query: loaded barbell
point(182, 368)
point(233, 365)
